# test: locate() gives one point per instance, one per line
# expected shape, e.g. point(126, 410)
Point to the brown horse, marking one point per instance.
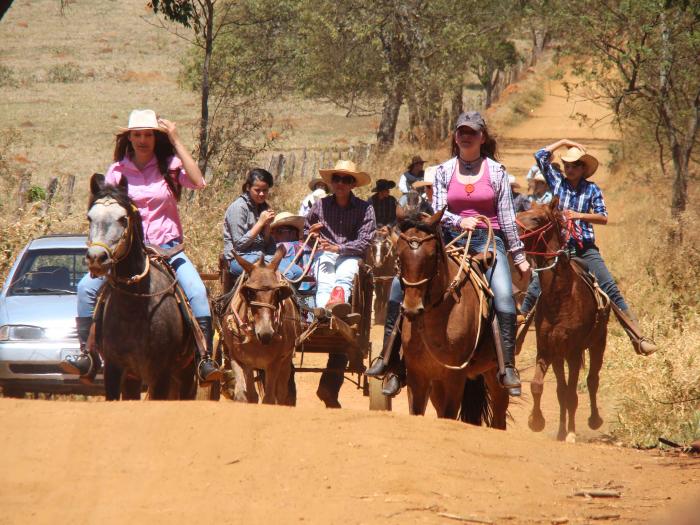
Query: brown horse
point(381, 257)
point(260, 328)
point(142, 336)
point(448, 347)
point(568, 319)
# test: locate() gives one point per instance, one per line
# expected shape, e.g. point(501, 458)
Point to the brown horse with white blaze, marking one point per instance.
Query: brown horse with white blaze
point(381, 257)
point(448, 346)
point(260, 328)
point(568, 319)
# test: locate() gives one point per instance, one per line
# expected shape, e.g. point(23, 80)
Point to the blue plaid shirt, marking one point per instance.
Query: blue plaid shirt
point(586, 198)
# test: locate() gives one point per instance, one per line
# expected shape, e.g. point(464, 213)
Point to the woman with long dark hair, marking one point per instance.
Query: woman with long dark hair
point(156, 164)
point(474, 183)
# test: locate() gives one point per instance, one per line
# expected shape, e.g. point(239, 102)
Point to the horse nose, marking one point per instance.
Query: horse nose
point(265, 336)
point(96, 256)
point(414, 312)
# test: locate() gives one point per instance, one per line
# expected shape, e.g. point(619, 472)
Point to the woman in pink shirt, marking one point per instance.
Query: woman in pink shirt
point(473, 183)
point(157, 166)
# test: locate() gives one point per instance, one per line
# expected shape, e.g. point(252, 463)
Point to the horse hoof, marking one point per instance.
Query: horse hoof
point(571, 437)
point(595, 423)
point(536, 423)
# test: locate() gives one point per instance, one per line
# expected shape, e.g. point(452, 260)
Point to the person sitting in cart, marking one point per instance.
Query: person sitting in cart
point(286, 230)
point(345, 225)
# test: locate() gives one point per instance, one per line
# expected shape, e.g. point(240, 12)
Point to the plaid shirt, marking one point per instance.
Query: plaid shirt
point(351, 228)
point(384, 210)
point(586, 197)
point(504, 203)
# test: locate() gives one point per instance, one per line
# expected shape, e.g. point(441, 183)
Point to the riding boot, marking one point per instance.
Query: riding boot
point(509, 377)
point(642, 345)
point(85, 363)
point(379, 366)
point(207, 369)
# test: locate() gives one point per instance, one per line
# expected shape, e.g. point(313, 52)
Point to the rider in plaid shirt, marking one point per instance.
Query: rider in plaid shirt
point(582, 202)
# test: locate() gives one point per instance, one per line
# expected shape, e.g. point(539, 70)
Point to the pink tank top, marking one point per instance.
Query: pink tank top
point(479, 200)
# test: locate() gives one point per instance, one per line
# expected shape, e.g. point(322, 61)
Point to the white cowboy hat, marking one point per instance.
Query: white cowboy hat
point(539, 178)
point(428, 177)
point(142, 119)
point(590, 162)
point(316, 180)
point(513, 182)
point(346, 167)
point(288, 219)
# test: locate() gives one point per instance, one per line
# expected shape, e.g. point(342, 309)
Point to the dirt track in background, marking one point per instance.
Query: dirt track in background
point(202, 461)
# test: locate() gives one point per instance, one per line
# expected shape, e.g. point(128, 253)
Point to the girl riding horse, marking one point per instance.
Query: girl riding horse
point(156, 165)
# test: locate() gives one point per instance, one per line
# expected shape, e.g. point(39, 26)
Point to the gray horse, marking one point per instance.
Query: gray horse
point(143, 336)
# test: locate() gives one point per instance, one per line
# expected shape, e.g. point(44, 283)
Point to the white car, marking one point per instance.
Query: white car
point(37, 317)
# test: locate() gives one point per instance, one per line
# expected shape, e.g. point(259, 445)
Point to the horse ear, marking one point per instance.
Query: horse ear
point(554, 203)
point(279, 254)
point(435, 219)
point(260, 263)
point(97, 183)
point(123, 184)
point(248, 267)
point(285, 292)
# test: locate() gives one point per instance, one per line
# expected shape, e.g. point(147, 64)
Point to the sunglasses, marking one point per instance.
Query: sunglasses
point(577, 164)
point(345, 179)
point(281, 229)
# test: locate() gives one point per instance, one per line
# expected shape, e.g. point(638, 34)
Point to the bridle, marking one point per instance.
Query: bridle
point(414, 243)
point(275, 309)
point(573, 231)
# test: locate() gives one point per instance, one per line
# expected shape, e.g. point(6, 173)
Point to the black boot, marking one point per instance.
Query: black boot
point(510, 379)
point(379, 367)
point(207, 369)
point(82, 364)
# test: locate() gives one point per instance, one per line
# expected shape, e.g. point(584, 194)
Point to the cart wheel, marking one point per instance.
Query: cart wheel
point(377, 400)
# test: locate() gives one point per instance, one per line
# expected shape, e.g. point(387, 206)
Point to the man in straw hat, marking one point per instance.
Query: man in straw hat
point(383, 203)
point(414, 173)
point(540, 190)
point(344, 225)
point(319, 189)
point(520, 201)
point(582, 202)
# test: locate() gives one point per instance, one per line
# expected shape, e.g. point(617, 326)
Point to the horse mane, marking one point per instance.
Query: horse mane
point(120, 194)
point(416, 220)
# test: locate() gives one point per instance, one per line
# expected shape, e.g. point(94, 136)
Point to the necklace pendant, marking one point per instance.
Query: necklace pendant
point(469, 189)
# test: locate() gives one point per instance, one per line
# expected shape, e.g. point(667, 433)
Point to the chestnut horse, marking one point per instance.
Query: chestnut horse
point(447, 344)
point(568, 319)
point(260, 328)
point(143, 336)
point(381, 257)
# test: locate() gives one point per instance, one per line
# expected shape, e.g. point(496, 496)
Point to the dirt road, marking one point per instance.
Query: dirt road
point(202, 462)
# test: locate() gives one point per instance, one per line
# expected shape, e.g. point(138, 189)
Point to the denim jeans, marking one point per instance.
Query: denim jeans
point(187, 276)
point(331, 270)
point(294, 272)
point(498, 276)
point(596, 265)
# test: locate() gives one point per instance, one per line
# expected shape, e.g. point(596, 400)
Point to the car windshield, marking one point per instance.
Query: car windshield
point(49, 272)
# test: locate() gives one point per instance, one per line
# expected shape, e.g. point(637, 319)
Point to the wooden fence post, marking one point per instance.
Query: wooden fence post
point(22, 190)
point(304, 161)
point(50, 193)
point(70, 187)
point(292, 164)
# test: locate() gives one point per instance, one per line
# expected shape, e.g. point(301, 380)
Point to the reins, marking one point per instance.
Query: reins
point(307, 266)
point(573, 231)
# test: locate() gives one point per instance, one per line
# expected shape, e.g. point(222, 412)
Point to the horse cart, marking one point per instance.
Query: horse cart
point(321, 333)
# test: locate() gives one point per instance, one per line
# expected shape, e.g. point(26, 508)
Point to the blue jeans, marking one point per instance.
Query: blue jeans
point(498, 276)
point(597, 267)
point(187, 276)
point(294, 272)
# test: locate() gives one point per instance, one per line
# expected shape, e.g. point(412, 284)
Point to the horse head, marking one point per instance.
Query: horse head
point(264, 291)
point(421, 252)
point(542, 228)
point(380, 248)
point(113, 223)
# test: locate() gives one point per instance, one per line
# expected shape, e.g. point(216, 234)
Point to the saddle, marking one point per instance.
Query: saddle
point(601, 298)
point(159, 259)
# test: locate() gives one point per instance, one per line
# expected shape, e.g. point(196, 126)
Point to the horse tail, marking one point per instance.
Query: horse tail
point(476, 403)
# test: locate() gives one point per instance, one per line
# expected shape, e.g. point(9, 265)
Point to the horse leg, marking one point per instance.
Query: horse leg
point(418, 389)
point(499, 399)
point(446, 397)
point(112, 379)
point(159, 390)
point(282, 393)
point(130, 387)
point(574, 361)
point(272, 373)
point(188, 382)
point(536, 420)
point(559, 372)
point(596, 352)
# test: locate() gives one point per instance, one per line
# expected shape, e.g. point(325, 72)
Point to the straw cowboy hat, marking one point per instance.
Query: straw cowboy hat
point(288, 219)
point(142, 119)
point(316, 180)
point(345, 167)
point(539, 178)
point(590, 162)
point(383, 184)
point(428, 178)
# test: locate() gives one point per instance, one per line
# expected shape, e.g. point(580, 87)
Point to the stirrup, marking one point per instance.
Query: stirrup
point(213, 376)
